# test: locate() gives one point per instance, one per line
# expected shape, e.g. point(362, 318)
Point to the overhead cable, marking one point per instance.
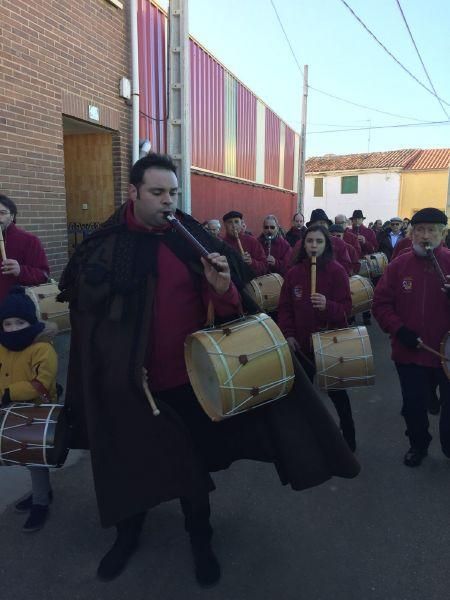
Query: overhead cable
point(332, 95)
point(427, 124)
point(390, 53)
point(420, 58)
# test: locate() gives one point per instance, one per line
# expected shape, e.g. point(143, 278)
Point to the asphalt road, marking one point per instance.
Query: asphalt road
point(382, 536)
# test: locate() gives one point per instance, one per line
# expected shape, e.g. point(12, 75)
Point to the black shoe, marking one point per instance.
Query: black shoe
point(25, 505)
point(349, 436)
point(115, 561)
point(207, 568)
point(414, 457)
point(37, 518)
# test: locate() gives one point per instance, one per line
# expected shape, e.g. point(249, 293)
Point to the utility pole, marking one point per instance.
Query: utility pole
point(301, 156)
point(179, 124)
point(447, 209)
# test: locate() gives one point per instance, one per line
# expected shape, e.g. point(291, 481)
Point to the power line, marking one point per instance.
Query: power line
point(383, 112)
point(420, 58)
point(427, 124)
point(390, 53)
point(286, 36)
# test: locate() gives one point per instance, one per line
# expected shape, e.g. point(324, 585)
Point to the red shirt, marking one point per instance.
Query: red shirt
point(400, 246)
point(27, 249)
point(352, 239)
point(254, 248)
point(296, 315)
point(179, 309)
point(281, 251)
point(409, 294)
point(370, 246)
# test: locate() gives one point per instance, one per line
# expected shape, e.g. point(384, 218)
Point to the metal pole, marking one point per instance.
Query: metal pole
point(178, 126)
point(301, 155)
point(134, 80)
point(447, 210)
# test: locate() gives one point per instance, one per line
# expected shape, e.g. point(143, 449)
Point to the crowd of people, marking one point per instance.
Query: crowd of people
point(137, 289)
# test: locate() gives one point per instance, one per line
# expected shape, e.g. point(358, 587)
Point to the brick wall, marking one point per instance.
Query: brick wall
point(57, 56)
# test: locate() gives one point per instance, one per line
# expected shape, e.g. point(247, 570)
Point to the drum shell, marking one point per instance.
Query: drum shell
point(49, 309)
point(265, 291)
point(377, 263)
point(33, 435)
point(249, 353)
point(343, 358)
point(361, 290)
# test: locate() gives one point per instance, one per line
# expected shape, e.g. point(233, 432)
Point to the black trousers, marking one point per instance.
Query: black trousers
point(339, 398)
point(417, 383)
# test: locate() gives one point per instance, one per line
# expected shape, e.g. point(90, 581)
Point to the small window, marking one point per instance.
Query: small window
point(349, 184)
point(318, 186)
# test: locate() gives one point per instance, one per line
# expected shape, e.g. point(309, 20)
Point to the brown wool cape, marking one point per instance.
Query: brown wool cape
point(140, 460)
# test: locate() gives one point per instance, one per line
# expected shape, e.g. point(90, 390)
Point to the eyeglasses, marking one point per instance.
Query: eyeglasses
point(269, 226)
point(4, 213)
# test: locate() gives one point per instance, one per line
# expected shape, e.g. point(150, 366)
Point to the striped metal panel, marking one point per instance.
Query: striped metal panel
point(230, 124)
point(289, 151)
point(152, 75)
point(260, 141)
point(246, 134)
point(207, 110)
point(281, 165)
point(296, 159)
point(272, 150)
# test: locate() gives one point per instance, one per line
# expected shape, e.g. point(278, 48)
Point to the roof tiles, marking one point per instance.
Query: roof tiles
point(430, 159)
point(356, 162)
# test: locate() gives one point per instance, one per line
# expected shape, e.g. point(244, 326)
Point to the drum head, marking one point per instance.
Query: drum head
point(445, 351)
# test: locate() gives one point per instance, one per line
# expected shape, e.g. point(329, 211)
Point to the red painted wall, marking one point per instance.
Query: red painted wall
point(213, 196)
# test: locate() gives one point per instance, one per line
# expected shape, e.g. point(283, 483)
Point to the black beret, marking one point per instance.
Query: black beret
point(233, 214)
point(429, 215)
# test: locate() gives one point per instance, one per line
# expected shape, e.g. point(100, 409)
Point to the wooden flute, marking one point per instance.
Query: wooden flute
point(437, 266)
point(196, 245)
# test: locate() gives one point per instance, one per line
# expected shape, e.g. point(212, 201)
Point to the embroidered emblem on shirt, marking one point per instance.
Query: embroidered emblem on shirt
point(407, 284)
point(298, 291)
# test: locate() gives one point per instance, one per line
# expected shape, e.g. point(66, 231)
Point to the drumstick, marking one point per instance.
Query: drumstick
point(2, 245)
point(148, 393)
point(313, 273)
point(428, 349)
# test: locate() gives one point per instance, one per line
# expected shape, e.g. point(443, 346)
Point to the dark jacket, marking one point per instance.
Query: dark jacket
point(139, 459)
point(385, 242)
point(294, 235)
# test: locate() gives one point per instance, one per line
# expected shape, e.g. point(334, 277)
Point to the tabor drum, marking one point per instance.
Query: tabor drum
point(265, 291)
point(364, 270)
point(239, 366)
point(377, 264)
point(361, 290)
point(49, 309)
point(33, 435)
point(343, 358)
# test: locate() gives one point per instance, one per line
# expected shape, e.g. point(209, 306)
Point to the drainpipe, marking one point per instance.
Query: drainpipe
point(135, 81)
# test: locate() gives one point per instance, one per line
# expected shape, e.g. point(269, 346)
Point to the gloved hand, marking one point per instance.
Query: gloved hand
point(408, 337)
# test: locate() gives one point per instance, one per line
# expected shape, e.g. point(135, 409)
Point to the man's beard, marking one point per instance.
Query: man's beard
point(420, 250)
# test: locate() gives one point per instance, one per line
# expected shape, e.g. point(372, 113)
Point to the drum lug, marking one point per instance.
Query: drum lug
point(30, 421)
point(254, 391)
point(226, 331)
point(243, 359)
point(341, 360)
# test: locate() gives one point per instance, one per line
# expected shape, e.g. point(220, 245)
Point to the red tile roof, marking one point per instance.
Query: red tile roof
point(430, 159)
point(351, 162)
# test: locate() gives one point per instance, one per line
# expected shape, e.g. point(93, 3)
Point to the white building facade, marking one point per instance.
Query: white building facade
point(375, 192)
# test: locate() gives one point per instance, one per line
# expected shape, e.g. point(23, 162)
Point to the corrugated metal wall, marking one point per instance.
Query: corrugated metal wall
point(152, 74)
point(272, 155)
point(207, 110)
point(233, 132)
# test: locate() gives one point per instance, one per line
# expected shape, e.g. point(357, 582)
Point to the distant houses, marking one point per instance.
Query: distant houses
point(381, 184)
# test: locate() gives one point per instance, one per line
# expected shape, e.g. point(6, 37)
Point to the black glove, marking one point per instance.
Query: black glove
point(408, 337)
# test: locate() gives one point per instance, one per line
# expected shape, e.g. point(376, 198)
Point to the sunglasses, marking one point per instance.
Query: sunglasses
point(269, 226)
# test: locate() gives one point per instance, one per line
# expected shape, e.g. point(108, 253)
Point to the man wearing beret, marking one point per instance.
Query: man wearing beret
point(366, 237)
point(412, 304)
point(251, 250)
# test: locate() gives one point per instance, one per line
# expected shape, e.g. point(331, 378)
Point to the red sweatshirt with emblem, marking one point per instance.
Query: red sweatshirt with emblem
point(409, 294)
point(296, 315)
point(179, 309)
point(253, 247)
point(27, 249)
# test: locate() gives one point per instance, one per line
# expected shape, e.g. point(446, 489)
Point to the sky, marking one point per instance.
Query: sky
point(343, 60)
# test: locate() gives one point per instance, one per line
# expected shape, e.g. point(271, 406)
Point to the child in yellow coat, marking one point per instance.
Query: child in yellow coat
point(28, 371)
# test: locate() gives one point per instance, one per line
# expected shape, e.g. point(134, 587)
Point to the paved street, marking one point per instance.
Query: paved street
point(382, 536)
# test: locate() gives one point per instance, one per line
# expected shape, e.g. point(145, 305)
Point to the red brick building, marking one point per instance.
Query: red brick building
point(63, 168)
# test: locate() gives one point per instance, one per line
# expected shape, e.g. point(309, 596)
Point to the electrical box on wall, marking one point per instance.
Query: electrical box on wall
point(125, 88)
